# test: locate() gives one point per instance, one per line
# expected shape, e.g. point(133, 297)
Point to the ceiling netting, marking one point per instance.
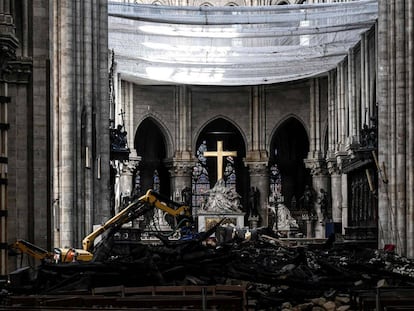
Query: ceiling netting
point(234, 45)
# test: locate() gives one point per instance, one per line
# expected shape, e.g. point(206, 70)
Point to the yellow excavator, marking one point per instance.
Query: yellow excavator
point(134, 210)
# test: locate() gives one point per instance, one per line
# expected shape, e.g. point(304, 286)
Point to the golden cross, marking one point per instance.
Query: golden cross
point(219, 154)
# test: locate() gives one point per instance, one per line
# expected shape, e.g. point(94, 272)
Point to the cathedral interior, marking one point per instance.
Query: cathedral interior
point(297, 113)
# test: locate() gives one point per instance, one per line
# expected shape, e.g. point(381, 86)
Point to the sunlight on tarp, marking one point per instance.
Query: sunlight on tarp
point(234, 45)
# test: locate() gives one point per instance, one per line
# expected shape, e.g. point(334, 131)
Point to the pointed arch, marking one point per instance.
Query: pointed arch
point(169, 142)
point(282, 121)
point(289, 146)
point(215, 119)
point(150, 143)
point(234, 171)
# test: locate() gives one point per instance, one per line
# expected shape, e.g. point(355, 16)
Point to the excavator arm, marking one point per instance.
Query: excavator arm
point(32, 250)
point(137, 208)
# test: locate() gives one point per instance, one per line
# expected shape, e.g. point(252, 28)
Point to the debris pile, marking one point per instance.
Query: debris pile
point(275, 275)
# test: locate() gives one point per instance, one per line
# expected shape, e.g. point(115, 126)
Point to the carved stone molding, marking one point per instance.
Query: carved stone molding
point(333, 166)
point(180, 167)
point(131, 165)
point(257, 156)
point(8, 41)
point(336, 161)
point(18, 71)
point(257, 168)
point(317, 166)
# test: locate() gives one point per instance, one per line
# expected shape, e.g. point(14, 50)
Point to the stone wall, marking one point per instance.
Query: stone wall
point(208, 103)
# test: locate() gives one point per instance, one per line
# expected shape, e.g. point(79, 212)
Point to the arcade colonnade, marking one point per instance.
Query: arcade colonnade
point(334, 109)
point(56, 94)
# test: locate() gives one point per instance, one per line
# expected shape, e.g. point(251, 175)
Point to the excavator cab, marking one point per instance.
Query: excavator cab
point(67, 255)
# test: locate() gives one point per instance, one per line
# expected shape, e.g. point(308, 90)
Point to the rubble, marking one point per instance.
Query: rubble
point(277, 276)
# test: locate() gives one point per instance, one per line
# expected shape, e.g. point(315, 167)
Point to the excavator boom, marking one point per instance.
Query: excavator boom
point(32, 250)
point(137, 208)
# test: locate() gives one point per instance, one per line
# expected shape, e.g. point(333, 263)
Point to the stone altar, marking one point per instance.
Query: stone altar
point(222, 202)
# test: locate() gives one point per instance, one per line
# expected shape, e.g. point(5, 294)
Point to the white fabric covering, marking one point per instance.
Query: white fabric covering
point(234, 45)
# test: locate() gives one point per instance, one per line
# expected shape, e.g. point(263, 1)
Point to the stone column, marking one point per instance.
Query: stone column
point(353, 112)
point(8, 46)
point(410, 125)
point(344, 200)
point(4, 126)
point(320, 180)
point(257, 158)
point(183, 126)
point(64, 126)
point(385, 219)
point(126, 181)
point(80, 120)
point(396, 128)
point(315, 161)
point(180, 177)
point(336, 193)
point(336, 190)
point(259, 178)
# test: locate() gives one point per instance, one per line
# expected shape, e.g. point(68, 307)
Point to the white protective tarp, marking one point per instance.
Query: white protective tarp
point(234, 45)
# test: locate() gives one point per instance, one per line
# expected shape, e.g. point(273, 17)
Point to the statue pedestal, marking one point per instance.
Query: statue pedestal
point(207, 220)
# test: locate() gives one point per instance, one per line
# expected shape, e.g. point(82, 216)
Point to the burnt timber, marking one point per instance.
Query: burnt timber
point(260, 274)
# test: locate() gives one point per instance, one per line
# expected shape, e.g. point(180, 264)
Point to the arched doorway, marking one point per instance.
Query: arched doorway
point(223, 130)
point(150, 144)
point(289, 147)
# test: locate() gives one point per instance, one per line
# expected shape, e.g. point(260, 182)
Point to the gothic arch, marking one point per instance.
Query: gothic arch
point(282, 121)
point(222, 129)
point(201, 128)
point(150, 142)
point(289, 146)
point(169, 144)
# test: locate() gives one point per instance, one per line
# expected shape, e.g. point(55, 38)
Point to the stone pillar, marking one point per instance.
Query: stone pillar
point(336, 190)
point(353, 111)
point(180, 177)
point(8, 46)
point(126, 180)
point(257, 158)
point(336, 193)
point(4, 126)
point(320, 180)
point(315, 161)
point(80, 121)
point(181, 166)
point(259, 178)
point(344, 200)
point(395, 125)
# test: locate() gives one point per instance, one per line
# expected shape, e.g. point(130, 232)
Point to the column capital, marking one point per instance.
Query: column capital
point(334, 168)
point(131, 165)
point(258, 168)
point(178, 167)
point(256, 156)
point(18, 71)
point(317, 166)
